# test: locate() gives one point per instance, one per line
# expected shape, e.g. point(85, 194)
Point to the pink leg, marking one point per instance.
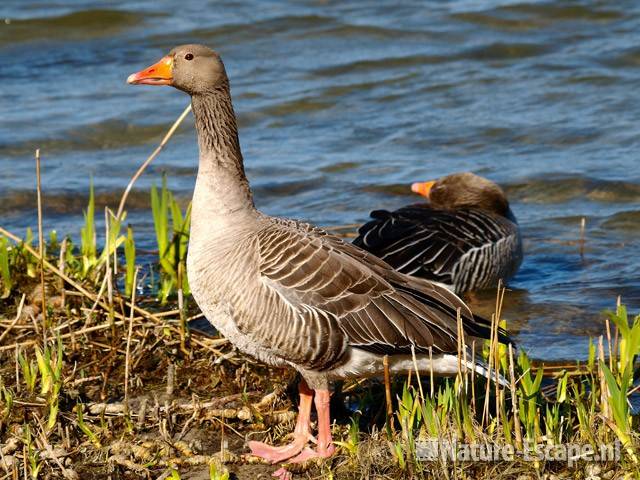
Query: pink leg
point(301, 434)
point(325, 446)
point(283, 474)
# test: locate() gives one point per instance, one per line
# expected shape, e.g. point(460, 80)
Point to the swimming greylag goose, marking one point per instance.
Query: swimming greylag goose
point(286, 292)
point(466, 237)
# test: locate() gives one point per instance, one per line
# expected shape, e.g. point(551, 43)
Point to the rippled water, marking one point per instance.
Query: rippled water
point(344, 104)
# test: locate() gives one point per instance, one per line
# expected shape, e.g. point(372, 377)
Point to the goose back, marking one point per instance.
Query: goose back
point(468, 249)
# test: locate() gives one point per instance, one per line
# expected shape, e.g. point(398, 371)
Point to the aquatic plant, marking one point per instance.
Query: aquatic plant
point(113, 239)
point(32, 453)
point(30, 260)
point(6, 401)
point(619, 376)
point(89, 257)
point(130, 261)
point(29, 372)
point(218, 472)
point(172, 236)
point(530, 398)
point(50, 367)
point(88, 234)
point(85, 428)
point(5, 273)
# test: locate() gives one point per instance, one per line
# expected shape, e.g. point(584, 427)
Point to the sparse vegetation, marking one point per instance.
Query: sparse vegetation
point(191, 402)
point(172, 235)
point(7, 281)
point(62, 386)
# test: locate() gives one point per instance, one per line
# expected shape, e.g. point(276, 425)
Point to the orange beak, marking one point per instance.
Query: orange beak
point(160, 73)
point(422, 188)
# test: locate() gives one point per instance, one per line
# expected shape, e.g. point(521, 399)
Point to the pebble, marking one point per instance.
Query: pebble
point(8, 463)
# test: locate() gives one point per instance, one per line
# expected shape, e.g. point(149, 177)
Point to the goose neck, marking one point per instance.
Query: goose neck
point(221, 187)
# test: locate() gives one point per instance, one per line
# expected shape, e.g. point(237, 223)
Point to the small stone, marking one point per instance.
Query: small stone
point(55, 452)
point(29, 311)
point(244, 414)
point(196, 446)
point(592, 471)
point(71, 475)
point(9, 462)
point(608, 475)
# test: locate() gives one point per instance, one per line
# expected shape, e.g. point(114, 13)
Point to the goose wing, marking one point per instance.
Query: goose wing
point(418, 240)
point(336, 295)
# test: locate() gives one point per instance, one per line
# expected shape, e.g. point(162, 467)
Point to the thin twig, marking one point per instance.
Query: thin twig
point(212, 408)
point(496, 350)
point(473, 376)
point(604, 391)
point(415, 366)
point(609, 345)
point(77, 286)
point(184, 332)
point(41, 245)
point(128, 350)
point(465, 352)
point(103, 287)
point(460, 346)
point(15, 320)
point(485, 408)
point(46, 263)
point(107, 275)
point(431, 379)
point(68, 474)
point(514, 400)
point(146, 163)
point(387, 391)
point(66, 335)
point(62, 263)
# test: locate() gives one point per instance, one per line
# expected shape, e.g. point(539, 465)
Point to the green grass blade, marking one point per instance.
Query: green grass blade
point(5, 273)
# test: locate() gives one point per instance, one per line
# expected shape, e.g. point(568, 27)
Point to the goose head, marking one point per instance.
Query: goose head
point(194, 69)
point(464, 190)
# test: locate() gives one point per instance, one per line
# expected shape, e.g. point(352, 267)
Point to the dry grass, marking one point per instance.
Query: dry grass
point(177, 402)
point(66, 411)
point(99, 383)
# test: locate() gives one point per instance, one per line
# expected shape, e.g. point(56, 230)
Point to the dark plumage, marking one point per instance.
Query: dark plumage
point(466, 237)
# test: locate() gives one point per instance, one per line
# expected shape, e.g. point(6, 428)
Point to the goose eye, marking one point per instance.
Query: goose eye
point(188, 56)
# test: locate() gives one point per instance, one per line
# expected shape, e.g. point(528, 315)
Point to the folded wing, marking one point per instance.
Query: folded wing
point(338, 295)
point(428, 243)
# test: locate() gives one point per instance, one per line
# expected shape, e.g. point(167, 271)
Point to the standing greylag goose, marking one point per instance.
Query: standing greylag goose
point(466, 237)
point(286, 292)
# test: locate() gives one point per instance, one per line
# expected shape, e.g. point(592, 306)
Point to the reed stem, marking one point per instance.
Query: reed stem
point(127, 360)
point(41, 246)
point(145, 164)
